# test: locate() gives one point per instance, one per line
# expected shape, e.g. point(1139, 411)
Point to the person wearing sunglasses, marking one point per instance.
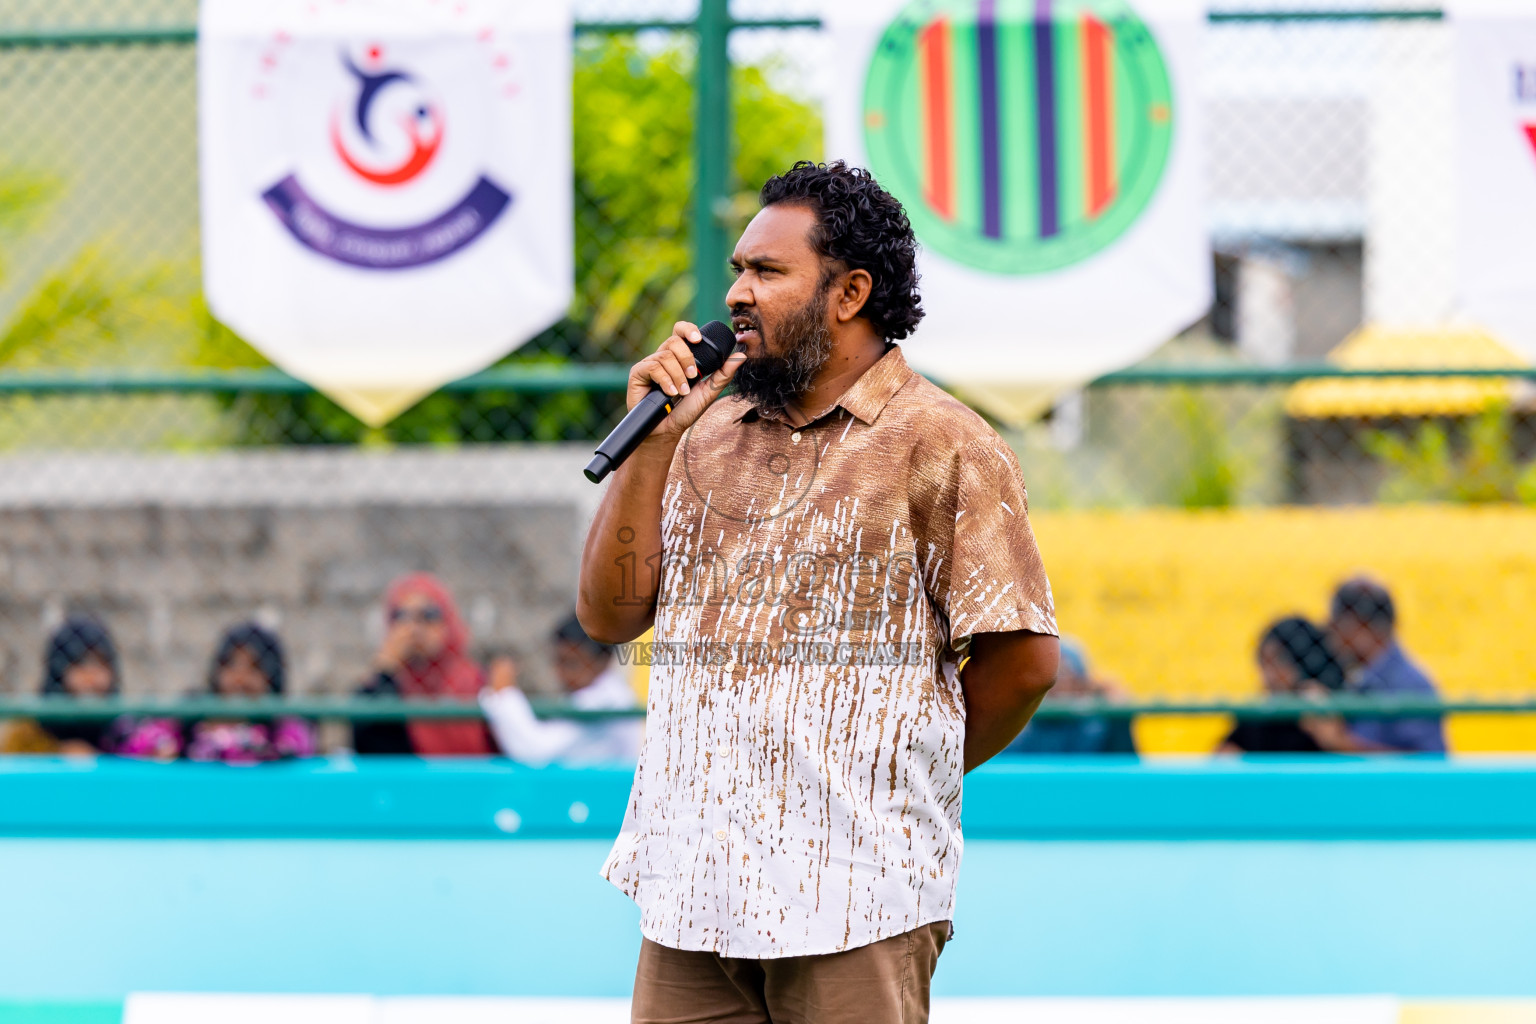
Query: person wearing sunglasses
point(424, 656)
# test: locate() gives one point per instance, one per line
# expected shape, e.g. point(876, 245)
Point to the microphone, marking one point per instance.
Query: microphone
point(709, 355)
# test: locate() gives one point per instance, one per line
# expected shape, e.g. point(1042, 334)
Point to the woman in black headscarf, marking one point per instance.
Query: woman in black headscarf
point(81, 664)
point(1294, 660)
point(249, 664)
point(81, 660)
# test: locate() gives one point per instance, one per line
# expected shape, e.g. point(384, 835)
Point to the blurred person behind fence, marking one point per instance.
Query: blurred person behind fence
point(81, 664)
point(248, 665)
point(1089, 734)
point(424, 656)
point(1294, 660)
point(593, 681)
point(1362, 631)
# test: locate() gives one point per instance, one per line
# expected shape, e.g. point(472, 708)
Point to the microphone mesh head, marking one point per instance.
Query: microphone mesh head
point(719, 342)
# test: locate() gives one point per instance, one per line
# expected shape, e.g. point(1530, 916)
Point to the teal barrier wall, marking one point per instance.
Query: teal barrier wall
point(1079, 878)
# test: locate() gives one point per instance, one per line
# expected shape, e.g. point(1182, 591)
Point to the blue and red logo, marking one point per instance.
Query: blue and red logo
point(421, 126)
point(1524, 76)
point(386, 133)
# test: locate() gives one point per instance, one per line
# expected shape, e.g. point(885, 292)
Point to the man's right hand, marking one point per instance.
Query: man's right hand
point(626, 531)
point(674, 368)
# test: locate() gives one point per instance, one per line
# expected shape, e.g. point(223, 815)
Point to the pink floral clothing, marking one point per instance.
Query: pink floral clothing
point(251, 742)
point(153, 738)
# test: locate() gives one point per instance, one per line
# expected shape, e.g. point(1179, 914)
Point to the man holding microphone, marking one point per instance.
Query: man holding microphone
point(850, 613)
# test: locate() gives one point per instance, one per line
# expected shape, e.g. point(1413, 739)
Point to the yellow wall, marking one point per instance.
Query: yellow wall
point(640, 673)
point(1172, 602)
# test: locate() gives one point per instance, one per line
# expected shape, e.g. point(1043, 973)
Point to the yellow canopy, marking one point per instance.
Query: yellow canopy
point(1376, 346)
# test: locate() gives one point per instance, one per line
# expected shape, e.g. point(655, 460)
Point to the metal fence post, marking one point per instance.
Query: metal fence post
point(711, 157)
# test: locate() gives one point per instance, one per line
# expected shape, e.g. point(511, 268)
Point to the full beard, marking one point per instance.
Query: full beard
point(773, 383)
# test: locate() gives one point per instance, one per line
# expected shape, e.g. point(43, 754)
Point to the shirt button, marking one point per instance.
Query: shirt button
point(795, 437)
point(720, 834)
point(722, 751)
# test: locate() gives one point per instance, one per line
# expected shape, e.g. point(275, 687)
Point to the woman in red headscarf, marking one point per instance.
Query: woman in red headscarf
point(424, 657)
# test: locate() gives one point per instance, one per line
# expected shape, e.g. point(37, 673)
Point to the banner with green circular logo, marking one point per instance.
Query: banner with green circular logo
point(1022, 135)
point(1048, 155)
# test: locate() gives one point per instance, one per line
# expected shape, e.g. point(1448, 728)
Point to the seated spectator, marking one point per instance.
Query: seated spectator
point(248, 665)
point(423, 658)
point(1096, 734)
point(1294, 660)
point(81, 664)
point(1362, 630)
point(592, 679)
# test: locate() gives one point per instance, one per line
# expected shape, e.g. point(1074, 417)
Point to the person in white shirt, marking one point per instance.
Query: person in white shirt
point(592, 677)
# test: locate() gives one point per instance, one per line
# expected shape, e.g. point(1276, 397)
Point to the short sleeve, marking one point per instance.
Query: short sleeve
point(996, 582)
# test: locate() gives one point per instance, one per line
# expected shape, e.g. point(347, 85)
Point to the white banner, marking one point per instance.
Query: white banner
point(1047, 152)
point(1496, 167)
point(386, 186)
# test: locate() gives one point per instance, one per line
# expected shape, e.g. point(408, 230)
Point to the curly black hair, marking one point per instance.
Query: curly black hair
point(862, 226)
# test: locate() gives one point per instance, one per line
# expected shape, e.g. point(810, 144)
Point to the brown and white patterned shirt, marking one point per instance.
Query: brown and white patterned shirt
point(799, 787)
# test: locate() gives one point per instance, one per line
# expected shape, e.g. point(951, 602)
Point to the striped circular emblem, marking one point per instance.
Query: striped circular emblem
point(1022, 135)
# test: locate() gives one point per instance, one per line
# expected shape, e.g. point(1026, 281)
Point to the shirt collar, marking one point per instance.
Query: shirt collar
point(866, 397)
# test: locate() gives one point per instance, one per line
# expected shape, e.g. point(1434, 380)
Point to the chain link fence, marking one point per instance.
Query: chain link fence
point(156, 472)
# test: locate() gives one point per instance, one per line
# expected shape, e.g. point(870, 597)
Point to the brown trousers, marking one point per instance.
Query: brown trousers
point(883, 983)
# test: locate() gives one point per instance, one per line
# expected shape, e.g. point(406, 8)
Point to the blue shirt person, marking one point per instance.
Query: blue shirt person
point(1362, 631)
point(1393, 672)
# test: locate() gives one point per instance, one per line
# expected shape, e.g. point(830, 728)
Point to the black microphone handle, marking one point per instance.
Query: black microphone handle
point(709, 354)
point(635, 427)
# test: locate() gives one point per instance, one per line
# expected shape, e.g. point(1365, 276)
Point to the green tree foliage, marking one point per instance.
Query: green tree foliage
point(1432, 464)
point(92, 312)
point(1210, 477)
point(24, 197)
